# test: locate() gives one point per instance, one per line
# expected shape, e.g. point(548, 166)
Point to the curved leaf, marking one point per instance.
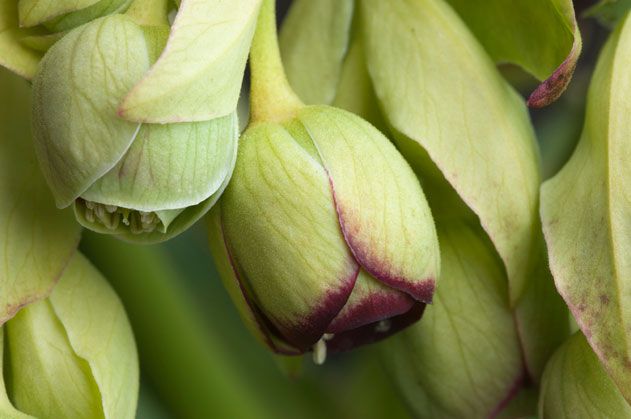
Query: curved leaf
point(198, 76)
point(539, 35)
point(587, 216)
point(315, 35)
point(36, 239)
point(14, 55)
point(575, 386)
point(437, 86)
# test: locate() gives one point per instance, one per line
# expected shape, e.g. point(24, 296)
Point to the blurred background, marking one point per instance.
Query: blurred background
point(198, 360)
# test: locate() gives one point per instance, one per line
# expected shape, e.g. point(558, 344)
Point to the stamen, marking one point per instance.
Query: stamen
point(110, 216)
point(319, 352)
point(383, 326)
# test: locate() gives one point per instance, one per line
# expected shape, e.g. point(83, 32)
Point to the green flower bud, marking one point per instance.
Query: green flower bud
point(72, 355)
point(140, 181)
point(324, 234)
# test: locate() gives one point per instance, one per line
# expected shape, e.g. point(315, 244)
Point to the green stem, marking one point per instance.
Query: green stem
point(149, 12)
point(271, 97)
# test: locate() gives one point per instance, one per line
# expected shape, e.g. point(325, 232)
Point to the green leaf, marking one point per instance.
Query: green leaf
point(14, 55)
point(315, 35)
point(576, 386)
point(437, 86)
point(586, 215)
point(66, 358)
point(35, 12)
point(463, 358)
point(78, 135)
point(37, 239)
point(198, 76)
point(609, 12)
point(541, 36)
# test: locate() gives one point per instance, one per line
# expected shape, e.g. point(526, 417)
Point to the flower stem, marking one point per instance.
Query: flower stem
point(271, 97)
point(149, 12)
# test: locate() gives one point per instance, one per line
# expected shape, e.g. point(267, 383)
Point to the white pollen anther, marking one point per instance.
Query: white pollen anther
point(319, 352)
point(383, 326)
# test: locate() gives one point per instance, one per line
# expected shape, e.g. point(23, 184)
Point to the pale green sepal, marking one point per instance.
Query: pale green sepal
point(79, 17)
point(314, 41)
point(537, 35)
point(198, 76)
point(587, 218)
point(382, 210)
point(576, 386)
point(437, 86)
point(105, 342)
point(48, 379)
point(462, 360)
point(35, 12)
point(14, 55)
point(7, 410)
point(78, 135)
point(36, 239)
point(169, 166)
point(280, 221)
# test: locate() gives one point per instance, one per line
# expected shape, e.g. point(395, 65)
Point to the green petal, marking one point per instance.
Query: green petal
point(586, 215)
point(80, 16)
point(105, 342)
point(7, 411)
point(315, 35)
point(575, 386)
point(198, 76)
point(37, 239)
point(78, 135)
point(609, 12)
point(463, 358)
point(14, 55)
point(382, 209)
point(48, 379)
point(35, 12)
point(539, 35)
point(170, 166)
point(282, 228)
point(437, 86)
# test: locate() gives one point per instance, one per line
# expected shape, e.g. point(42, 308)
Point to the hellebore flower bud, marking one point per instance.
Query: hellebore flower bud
point(326, 227)
point(140, 181)
point(72, 355)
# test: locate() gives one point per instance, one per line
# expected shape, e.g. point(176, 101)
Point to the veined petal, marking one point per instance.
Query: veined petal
point(283, 231)
point(35, 12)
point(78, 135)
point(381, 207)
point(198, 76)
point(170, 166)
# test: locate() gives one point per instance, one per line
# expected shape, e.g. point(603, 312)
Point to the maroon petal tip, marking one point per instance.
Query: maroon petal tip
point(554, 86)
point(376, 331)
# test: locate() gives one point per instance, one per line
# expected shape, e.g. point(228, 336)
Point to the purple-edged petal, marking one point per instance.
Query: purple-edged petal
point(381, 208)
point(281, 224)
point(250, 314)
point(376, 331)
point(554, 86)
point(370, 302)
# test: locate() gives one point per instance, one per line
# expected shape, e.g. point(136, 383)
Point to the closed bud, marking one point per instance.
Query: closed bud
point(140, 181)
point(72, 355)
